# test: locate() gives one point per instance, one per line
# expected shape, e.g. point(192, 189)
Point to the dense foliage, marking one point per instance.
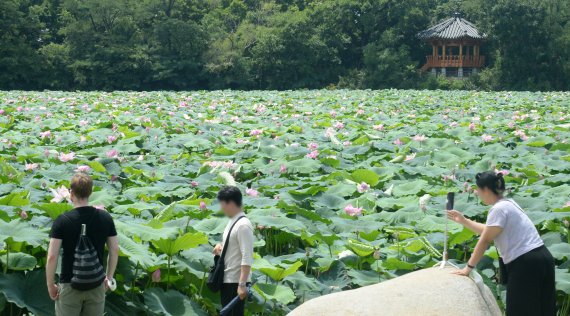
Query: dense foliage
point(271, 44)
point(345, 188)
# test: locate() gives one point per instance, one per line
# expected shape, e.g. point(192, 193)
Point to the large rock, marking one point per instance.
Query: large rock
point(426, 292)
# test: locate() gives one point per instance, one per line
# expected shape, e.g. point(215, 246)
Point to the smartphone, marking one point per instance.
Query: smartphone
point(450, 200)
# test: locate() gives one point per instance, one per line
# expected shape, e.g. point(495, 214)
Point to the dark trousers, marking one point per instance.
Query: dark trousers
point(228, 293)
point(530, 288)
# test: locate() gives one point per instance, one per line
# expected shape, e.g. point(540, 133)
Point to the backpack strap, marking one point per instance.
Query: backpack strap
point(227, 242)
point(96, 212)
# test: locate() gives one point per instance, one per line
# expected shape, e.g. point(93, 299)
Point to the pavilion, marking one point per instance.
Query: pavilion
point(456, 46)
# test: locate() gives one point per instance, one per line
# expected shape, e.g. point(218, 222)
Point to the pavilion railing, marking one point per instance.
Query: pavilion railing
point(454, 61)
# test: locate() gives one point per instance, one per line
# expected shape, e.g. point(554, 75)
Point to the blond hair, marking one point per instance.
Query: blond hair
point(81, 185)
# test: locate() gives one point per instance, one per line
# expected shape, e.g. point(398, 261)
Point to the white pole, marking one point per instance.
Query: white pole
point(444, 260)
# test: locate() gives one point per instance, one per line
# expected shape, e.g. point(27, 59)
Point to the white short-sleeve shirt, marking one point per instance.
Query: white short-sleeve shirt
point(519, 235)
point(240, 248)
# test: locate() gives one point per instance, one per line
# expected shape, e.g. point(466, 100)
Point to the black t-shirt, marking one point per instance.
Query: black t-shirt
point(67, 227)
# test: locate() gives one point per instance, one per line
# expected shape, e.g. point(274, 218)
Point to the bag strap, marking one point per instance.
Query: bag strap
point(515, 204)
point(227, 242)
point(96, 212)
point(520, 209)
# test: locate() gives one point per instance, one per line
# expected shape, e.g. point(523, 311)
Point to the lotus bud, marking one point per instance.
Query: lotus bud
point(565, 222)
point(203, 206)
point(194, 184)
point(376, 254)
point(283, 169)
point(156, 276)
point(23, 215)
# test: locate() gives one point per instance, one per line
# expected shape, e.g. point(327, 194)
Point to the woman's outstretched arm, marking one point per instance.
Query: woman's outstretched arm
point(489, 234)
point(473, 226)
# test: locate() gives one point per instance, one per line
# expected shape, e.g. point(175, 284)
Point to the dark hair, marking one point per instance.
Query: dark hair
point(230, 194)
point(491, 180)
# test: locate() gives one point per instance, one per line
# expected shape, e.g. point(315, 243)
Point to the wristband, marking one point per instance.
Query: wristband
point(470, 266)
point(242, 284)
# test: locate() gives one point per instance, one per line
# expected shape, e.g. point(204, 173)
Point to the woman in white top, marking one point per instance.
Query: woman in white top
point(527, 262)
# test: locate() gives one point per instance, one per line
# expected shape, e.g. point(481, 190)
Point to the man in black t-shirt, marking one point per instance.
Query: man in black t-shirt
point(64, 234)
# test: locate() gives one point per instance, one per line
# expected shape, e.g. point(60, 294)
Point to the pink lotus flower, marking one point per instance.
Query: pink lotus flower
point(255, 132)
point(378, 127)
point(46, 134)
point(313, 154)
point(23, 215)
point(420, 138)
point(252, 192)
point(83, 123)
point(111, 139)
point(282, 169)
point(333, 113)
point(194, 184)
point(83, 169)
point(410, 157)
point(156, 276)
point(60, 194)
point(503, 172)
point(448, 178)
point(486, 138)
point(567, 204)
point(46, 153)
point(346, 143)
point(113, 153)
point(362, 187)
point(31, 166)
point(398, 142)
point(313, 146)
point(2, 112)
point(454, 124)
point(472, 126)
point(66, 157)
point(203, 205)
point(353, 211)
point(338, 125)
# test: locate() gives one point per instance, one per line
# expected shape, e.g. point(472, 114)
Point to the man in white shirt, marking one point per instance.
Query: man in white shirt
point(239, 255)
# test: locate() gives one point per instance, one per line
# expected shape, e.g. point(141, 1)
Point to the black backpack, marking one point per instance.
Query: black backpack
point(216, 275)
point(88, 272)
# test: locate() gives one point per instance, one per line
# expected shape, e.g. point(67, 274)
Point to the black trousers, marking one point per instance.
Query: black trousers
point(530, 287)
point(228, 293)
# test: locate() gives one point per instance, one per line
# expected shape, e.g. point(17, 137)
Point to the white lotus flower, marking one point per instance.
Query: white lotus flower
point(345, 253)
point(389, 191)
point(60, 194)
point(424, 201)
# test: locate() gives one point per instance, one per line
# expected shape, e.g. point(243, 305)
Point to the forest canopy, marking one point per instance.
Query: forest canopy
point(271, 44)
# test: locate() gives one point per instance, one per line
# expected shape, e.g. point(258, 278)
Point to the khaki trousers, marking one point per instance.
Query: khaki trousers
point(72, 302)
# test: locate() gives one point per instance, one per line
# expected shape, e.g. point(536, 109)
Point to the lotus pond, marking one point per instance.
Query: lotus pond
point(345, 188)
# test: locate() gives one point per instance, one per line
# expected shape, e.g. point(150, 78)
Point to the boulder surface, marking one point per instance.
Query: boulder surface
point(428, 292)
